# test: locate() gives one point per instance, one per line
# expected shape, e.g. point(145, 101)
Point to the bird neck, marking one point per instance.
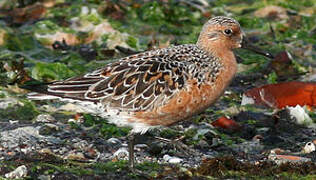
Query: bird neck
point(225, 56)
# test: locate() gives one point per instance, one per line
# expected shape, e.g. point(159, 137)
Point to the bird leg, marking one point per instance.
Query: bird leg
point(131, 156)
point(177, 144)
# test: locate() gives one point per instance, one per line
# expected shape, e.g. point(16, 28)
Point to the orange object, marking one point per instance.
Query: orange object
point(284, 94)
point(289, 157)
point(226, 123)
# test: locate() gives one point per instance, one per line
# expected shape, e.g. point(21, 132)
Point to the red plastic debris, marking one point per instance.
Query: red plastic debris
point(289, 157)
point(226, 123)
point(284, 94)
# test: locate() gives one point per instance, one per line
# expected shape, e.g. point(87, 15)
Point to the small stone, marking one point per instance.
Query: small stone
point(185, 171)
point(81, 144)
point(203, 144)
point(62, 150)
point(250, 147)
point(299, 113)
point(13, 138)
point(48, 129)
point(272, 12)
point(45, 151)
point(46, 118)
point(44, 177)
point(13, 122)
point(121, 153)
point(26, 150)
point(91, 153)
point(155, 148)
point(7, 102)
point(309, 147)
point(141, 146)
point(75, 156)
point(114, 141)
point(172, 159)
point(19, 172)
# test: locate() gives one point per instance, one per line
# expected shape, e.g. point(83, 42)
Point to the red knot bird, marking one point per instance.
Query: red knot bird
point(158, 87)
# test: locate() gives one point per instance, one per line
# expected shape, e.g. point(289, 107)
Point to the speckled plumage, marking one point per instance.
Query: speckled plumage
point(158, 87)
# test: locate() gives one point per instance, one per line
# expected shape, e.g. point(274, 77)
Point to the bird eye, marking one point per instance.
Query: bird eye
point(228, 32)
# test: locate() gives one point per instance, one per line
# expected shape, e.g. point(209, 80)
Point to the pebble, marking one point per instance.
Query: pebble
point(62, 150)
point(113, 141)
point(19, 172)
point(45, 118)
point(83, 144)
point(48, 129)
point(250, 147)
point(172, 159)
point(91, 153)
point(141, 146)
point(75, 156)
point(202, 132)
point(7, 102)
point(155, 148)
point(45, 151)
point(309, 147)
point(44, 177)
point(299, 113)
point(121, 153)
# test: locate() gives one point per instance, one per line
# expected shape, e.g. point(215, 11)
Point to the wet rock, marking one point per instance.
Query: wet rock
point(45, 118)
point(62, 150)
point(203, 132)
point(45, 151)
point(155, 148)
point(203, 145)
point(19, 172)
point(83, 144)
point(7, 102)
point(25, 135)
point(272, 12)
point(248, 131)
point(249, 147)
point(91, 153)
point(121, 153)
point(75, 156)
point(140, 146)
point(44, 177)
point(272, 139)
point(172, 159)
point(104, 156)
point(49, 39)
point(48, 129)
point(114, 141)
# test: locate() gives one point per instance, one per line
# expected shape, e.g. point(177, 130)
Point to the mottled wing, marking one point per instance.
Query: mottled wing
point(135, 83)
point(140, 83)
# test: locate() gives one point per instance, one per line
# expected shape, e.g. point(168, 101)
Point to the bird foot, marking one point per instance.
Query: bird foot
point(177, 144)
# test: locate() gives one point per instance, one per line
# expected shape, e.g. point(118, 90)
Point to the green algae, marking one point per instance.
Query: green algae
point(24, 111)
point(51, 71)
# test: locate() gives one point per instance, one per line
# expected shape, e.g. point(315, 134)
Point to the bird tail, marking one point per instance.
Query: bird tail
point(39, 90)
